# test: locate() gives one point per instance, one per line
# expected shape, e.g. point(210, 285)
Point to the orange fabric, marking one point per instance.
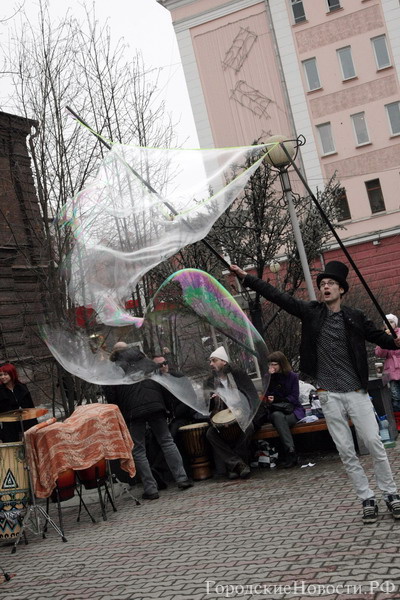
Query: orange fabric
point(45, 423)
point(92, 432)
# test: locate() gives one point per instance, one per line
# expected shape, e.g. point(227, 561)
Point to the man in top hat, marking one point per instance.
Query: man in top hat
point(333, 352)
point(232, 455)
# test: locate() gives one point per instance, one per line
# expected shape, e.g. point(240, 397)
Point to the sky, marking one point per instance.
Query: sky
point(144, 25)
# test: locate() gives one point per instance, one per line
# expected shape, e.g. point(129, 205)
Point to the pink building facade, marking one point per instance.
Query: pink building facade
point(327, 69)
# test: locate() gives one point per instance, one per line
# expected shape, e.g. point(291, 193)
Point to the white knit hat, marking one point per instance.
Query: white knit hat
point(393, 318)
point(220, 353)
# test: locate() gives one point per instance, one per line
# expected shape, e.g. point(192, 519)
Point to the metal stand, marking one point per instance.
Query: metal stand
point(126, 490)
point(34, 512)
point(125, 487)
point(99, 481)
point(82, 503)
point(58, 500)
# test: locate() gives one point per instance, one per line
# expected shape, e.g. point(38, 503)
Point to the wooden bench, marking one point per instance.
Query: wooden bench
point(268, 431)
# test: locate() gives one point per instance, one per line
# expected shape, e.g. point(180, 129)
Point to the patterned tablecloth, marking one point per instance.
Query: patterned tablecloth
point(92, 432)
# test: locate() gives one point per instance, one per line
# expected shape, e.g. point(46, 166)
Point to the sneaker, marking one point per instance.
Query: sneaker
point(184, 485)
point(233, 475)
point(370, 511)
point(393, 504)
point(154, 496)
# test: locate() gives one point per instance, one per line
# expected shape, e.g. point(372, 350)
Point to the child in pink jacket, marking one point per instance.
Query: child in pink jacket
point(391, 366)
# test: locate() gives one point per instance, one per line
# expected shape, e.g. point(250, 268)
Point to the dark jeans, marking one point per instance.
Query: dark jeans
point(156, 457)
point(159, 426)
point(230, 453)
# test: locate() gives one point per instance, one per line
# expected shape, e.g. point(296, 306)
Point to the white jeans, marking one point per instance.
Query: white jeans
point(338, 408)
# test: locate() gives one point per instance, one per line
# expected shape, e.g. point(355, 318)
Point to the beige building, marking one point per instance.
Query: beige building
point(326, 69)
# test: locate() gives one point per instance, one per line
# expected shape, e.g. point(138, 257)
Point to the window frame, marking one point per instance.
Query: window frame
point(345, 205)
point(337, 6)
point(371, 197)
point(352, 117)
point(303, 17)
point(373, 40)
point(339, 53)
point(309, 60)
point(397, 102)
point(319, 129)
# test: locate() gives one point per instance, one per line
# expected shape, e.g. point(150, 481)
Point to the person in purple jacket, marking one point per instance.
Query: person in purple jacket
point(282, 400)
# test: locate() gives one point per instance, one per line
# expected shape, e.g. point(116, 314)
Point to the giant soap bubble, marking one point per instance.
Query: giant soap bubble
point(122, 229)
point(194, 301)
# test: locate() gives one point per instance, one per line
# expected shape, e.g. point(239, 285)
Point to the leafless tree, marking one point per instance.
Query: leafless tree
point(53, 64)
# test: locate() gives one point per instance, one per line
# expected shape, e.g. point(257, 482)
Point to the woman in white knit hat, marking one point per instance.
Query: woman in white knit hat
point(391, 365)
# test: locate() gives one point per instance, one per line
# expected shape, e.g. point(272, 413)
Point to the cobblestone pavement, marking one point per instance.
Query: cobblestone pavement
point(298, 528)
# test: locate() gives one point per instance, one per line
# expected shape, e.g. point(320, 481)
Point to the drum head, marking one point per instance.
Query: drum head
point(194, 426)
point(223, 418)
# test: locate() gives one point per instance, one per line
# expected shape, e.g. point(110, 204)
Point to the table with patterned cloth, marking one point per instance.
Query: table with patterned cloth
point(91, 433)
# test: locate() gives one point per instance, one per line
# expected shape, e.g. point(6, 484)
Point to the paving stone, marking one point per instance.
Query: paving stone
point(258, 532)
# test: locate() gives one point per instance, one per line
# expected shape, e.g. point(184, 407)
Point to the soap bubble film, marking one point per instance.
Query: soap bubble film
point(121, 228)
point(193, 305)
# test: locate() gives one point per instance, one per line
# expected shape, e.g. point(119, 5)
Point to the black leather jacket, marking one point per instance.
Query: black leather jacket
point(140, 400)
point(19, 397)
point(312, 315)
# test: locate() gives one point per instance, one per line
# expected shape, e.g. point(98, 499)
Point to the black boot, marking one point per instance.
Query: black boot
point(291, 460)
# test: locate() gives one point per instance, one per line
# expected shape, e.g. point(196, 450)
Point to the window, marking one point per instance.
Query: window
point(310, 68)
point(326, 139)
point(333, 5)
point(298, 11)
point(346, 62)
point(360, 128)
point(393, 113)
point(375, 195)
point(343, 206)
point(381, 52)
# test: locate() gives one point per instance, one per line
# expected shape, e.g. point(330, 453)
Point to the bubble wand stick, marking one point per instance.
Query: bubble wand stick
point(147, 184)
point(301, 141)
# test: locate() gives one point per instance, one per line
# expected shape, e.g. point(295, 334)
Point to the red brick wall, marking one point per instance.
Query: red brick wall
point(22, 266)
point(379, 265)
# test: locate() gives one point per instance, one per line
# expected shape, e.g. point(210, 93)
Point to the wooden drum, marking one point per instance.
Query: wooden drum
point(65, 486)
point(94, 475)
point(14, 489)
point(227, 426)
point(195, 443)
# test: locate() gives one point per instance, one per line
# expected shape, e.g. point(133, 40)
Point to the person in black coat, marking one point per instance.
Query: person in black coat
point(179, 414)
point(142, 404)
point(13, 395)
point(333, 352)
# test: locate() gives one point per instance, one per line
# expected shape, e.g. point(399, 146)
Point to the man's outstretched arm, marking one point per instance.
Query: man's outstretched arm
point(292, 305)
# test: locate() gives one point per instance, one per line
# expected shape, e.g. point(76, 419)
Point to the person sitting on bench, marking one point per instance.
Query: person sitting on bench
point(281, 405)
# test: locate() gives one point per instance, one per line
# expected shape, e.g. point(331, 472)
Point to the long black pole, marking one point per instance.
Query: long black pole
point(339, 241)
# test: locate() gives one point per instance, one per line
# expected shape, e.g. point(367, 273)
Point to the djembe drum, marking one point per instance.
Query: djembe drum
point(195, 443)
point(228, 427)
point(65, 486)
point(14, 489)
point(92, 476)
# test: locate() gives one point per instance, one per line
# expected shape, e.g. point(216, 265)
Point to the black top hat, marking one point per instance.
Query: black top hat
point(335, 270)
